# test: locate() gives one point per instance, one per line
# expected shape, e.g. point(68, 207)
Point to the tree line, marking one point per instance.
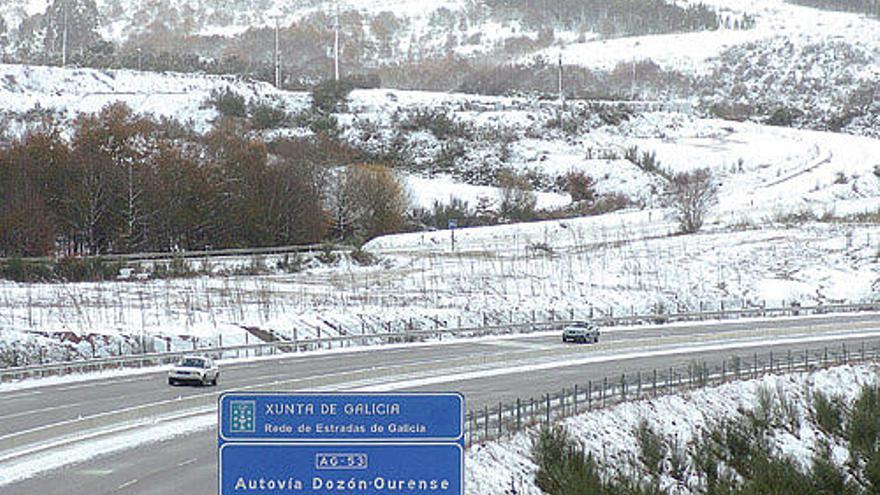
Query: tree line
point(124, 183)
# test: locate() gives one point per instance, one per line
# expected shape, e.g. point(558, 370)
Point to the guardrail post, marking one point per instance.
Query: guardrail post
point(771, 362)
point(824, 355)
point(639, 384)
point(500, 422)
point(623, 387)
point(575, 398)
point(863, 352)
point(843, 349)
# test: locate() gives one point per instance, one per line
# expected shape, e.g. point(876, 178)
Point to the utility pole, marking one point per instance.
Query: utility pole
point(277, 55)
point(64, 39)
point(336, 44)
point(561, 95)
point(139, 66)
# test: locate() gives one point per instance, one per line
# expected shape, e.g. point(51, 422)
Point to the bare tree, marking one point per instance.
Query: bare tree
point(517, 199)
point(692, 195)
point(367, 201)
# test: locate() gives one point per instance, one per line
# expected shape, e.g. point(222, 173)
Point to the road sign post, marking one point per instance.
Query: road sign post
point(362, 444)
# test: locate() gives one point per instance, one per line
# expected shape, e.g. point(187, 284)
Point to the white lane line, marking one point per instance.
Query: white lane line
point(675, 351)
point(522, 345)
point(187, 463)
point(114, 382)
point(21, 395)
point(40, 410)
point(126, 484)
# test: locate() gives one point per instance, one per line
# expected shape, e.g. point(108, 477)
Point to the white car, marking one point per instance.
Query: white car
point(580, 332)
point(194, 369)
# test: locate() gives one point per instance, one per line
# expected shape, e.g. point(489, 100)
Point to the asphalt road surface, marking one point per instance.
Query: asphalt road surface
point(487, 371)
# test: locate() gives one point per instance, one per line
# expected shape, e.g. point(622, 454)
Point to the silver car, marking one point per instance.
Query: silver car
point(580, 332)
point(194, 369)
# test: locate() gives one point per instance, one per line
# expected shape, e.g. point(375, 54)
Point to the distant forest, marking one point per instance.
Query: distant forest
point(870, 7)
point(618, 18)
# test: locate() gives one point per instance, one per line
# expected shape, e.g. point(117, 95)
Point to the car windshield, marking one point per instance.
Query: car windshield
point(192, 363)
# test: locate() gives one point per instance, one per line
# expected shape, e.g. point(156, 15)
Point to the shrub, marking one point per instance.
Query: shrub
point(265, 116)
point(691, 195)
point(517, 199)
point(563, 467)
point(228, 103)
point(85, 269)
point(863, 424)
point(828, 413)
point(652, 448)
point(18, 270)
point(329, 96)
point(363, 258)
point(580, 186)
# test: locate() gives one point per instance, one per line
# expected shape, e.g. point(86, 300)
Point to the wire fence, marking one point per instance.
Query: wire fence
point(507, 418)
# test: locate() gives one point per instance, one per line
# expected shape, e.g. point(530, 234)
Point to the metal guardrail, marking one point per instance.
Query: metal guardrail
point(492, 423)
point(290, 346)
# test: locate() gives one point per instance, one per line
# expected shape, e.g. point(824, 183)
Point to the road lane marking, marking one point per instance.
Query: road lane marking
point(126, 484)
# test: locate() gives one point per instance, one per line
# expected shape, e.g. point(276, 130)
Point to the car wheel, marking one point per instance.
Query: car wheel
point(172, 382)
point(214, 381)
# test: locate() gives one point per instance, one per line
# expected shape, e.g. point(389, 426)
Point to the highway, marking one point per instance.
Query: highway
point(486, 370)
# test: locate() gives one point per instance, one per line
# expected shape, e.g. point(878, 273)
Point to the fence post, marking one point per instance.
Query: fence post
point(500, 421)
point(590, 395)
point(654, 384)
point(623, 387)
point(639, 385)
point(771, 361)
point(486, 422)
point(604, 387)
point(755, 366)
point(843, 348)
point(547, 414)
point(789, 361)
point(575, 398)
point(518, 415)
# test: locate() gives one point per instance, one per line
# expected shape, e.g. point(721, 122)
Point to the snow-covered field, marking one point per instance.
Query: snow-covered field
point(610, 434)
point(693, 52)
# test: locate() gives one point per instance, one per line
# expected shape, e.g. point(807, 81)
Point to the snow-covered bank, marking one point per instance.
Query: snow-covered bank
point(610, 434)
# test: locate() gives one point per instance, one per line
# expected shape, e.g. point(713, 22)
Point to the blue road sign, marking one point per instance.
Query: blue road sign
point(302, 417)
point(363, 469)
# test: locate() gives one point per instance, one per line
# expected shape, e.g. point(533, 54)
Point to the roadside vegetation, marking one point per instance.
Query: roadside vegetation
point(732, 457)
